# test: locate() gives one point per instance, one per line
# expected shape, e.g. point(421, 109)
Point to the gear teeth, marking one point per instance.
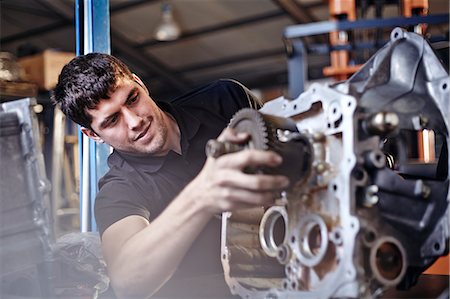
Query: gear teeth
point(260, 131)
point(271, 133)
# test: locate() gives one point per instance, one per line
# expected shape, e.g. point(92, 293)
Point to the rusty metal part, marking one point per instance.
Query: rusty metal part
point(268, 132)
point(357, 220)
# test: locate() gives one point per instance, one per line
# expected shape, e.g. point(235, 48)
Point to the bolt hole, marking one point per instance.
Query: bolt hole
point(349, 104)
point(337, 236)
point(289, 269)
point(444, 86)
point(334, 110)
point(388, 261)
point(437, 246)
point(396, 35)
point(335, 187)
point(224, 256)
point(370, 236)
point(293, 239)
point(295, 107)
point(281, 254)
point(358, 174)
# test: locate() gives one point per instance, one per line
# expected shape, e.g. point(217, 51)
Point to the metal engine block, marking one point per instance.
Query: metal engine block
point(358, 216)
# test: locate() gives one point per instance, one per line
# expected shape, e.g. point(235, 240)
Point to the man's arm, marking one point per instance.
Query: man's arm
point(142, 256)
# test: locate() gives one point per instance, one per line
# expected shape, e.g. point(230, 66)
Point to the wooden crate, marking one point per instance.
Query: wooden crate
point(44, 68)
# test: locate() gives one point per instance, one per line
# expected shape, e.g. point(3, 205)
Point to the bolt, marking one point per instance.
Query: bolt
point(319, 137)
point(423, 121)
point(283, 135)
point(420, 189)
point(419, 122)
point(382, 123)
point(321, 167)
point(215, 148)
point(371, 197)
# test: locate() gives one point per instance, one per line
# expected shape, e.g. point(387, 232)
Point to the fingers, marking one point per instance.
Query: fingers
point(255, 182)
point(226, 187)
point(232, 198)
point(249, 158)
point(230, 135)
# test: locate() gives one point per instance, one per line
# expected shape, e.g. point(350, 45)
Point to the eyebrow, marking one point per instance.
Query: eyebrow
point(105, 122)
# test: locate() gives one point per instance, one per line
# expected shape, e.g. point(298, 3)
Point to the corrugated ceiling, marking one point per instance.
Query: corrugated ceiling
point(241, 39)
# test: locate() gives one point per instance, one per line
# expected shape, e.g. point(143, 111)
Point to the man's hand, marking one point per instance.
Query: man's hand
point(151, 252)
point(223, 186)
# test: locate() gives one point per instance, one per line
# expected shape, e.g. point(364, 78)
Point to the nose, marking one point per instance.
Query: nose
point(133, 120)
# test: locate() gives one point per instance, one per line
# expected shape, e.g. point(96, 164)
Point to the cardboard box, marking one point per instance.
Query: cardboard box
point(44, 68)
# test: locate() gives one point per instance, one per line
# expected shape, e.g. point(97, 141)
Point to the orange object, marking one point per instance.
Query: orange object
point(340, 10)
point(343, 71)
point(343, 7)
point(420, 7)
point(416, 8)
point(346, 10)
point(43, 69)
point(441, 266)
point(426, 146)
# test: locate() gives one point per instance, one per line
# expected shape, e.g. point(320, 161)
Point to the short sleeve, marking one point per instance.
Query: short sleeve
point(113, 203)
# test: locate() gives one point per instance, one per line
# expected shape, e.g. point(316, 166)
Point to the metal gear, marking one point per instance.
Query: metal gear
point(252, 122)
point(268, 132)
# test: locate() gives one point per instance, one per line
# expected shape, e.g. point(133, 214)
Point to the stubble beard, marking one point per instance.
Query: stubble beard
point(158, 142)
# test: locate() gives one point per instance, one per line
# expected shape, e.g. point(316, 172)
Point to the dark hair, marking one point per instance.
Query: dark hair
point(84, 81)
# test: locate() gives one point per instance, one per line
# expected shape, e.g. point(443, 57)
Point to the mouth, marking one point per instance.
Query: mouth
point(143, 133)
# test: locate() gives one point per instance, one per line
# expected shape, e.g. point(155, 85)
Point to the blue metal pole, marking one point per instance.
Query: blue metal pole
point(79, 16)
point(101, 43)
point(297, 31)
point(92, 20)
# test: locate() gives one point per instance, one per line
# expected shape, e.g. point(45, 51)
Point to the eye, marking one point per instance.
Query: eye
point(132, 100)
point(112, 121)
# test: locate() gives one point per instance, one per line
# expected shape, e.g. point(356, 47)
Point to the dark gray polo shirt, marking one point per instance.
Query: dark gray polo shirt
point(146, 185)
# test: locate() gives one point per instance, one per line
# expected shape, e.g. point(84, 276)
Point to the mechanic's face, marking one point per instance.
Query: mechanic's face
point(130, 121)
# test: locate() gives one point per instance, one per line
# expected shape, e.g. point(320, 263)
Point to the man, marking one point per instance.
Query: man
point(157, 207)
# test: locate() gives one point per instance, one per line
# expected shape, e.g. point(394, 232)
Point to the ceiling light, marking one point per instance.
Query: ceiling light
point(167, 29)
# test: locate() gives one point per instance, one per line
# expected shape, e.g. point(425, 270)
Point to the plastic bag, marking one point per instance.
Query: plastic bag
point(82, 268)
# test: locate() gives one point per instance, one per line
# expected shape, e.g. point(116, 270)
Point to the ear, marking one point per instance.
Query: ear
point(139, 81)
point(91, 134)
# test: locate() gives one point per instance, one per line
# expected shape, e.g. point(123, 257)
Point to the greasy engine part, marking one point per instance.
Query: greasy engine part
point(359, 216)
point(267, 132)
